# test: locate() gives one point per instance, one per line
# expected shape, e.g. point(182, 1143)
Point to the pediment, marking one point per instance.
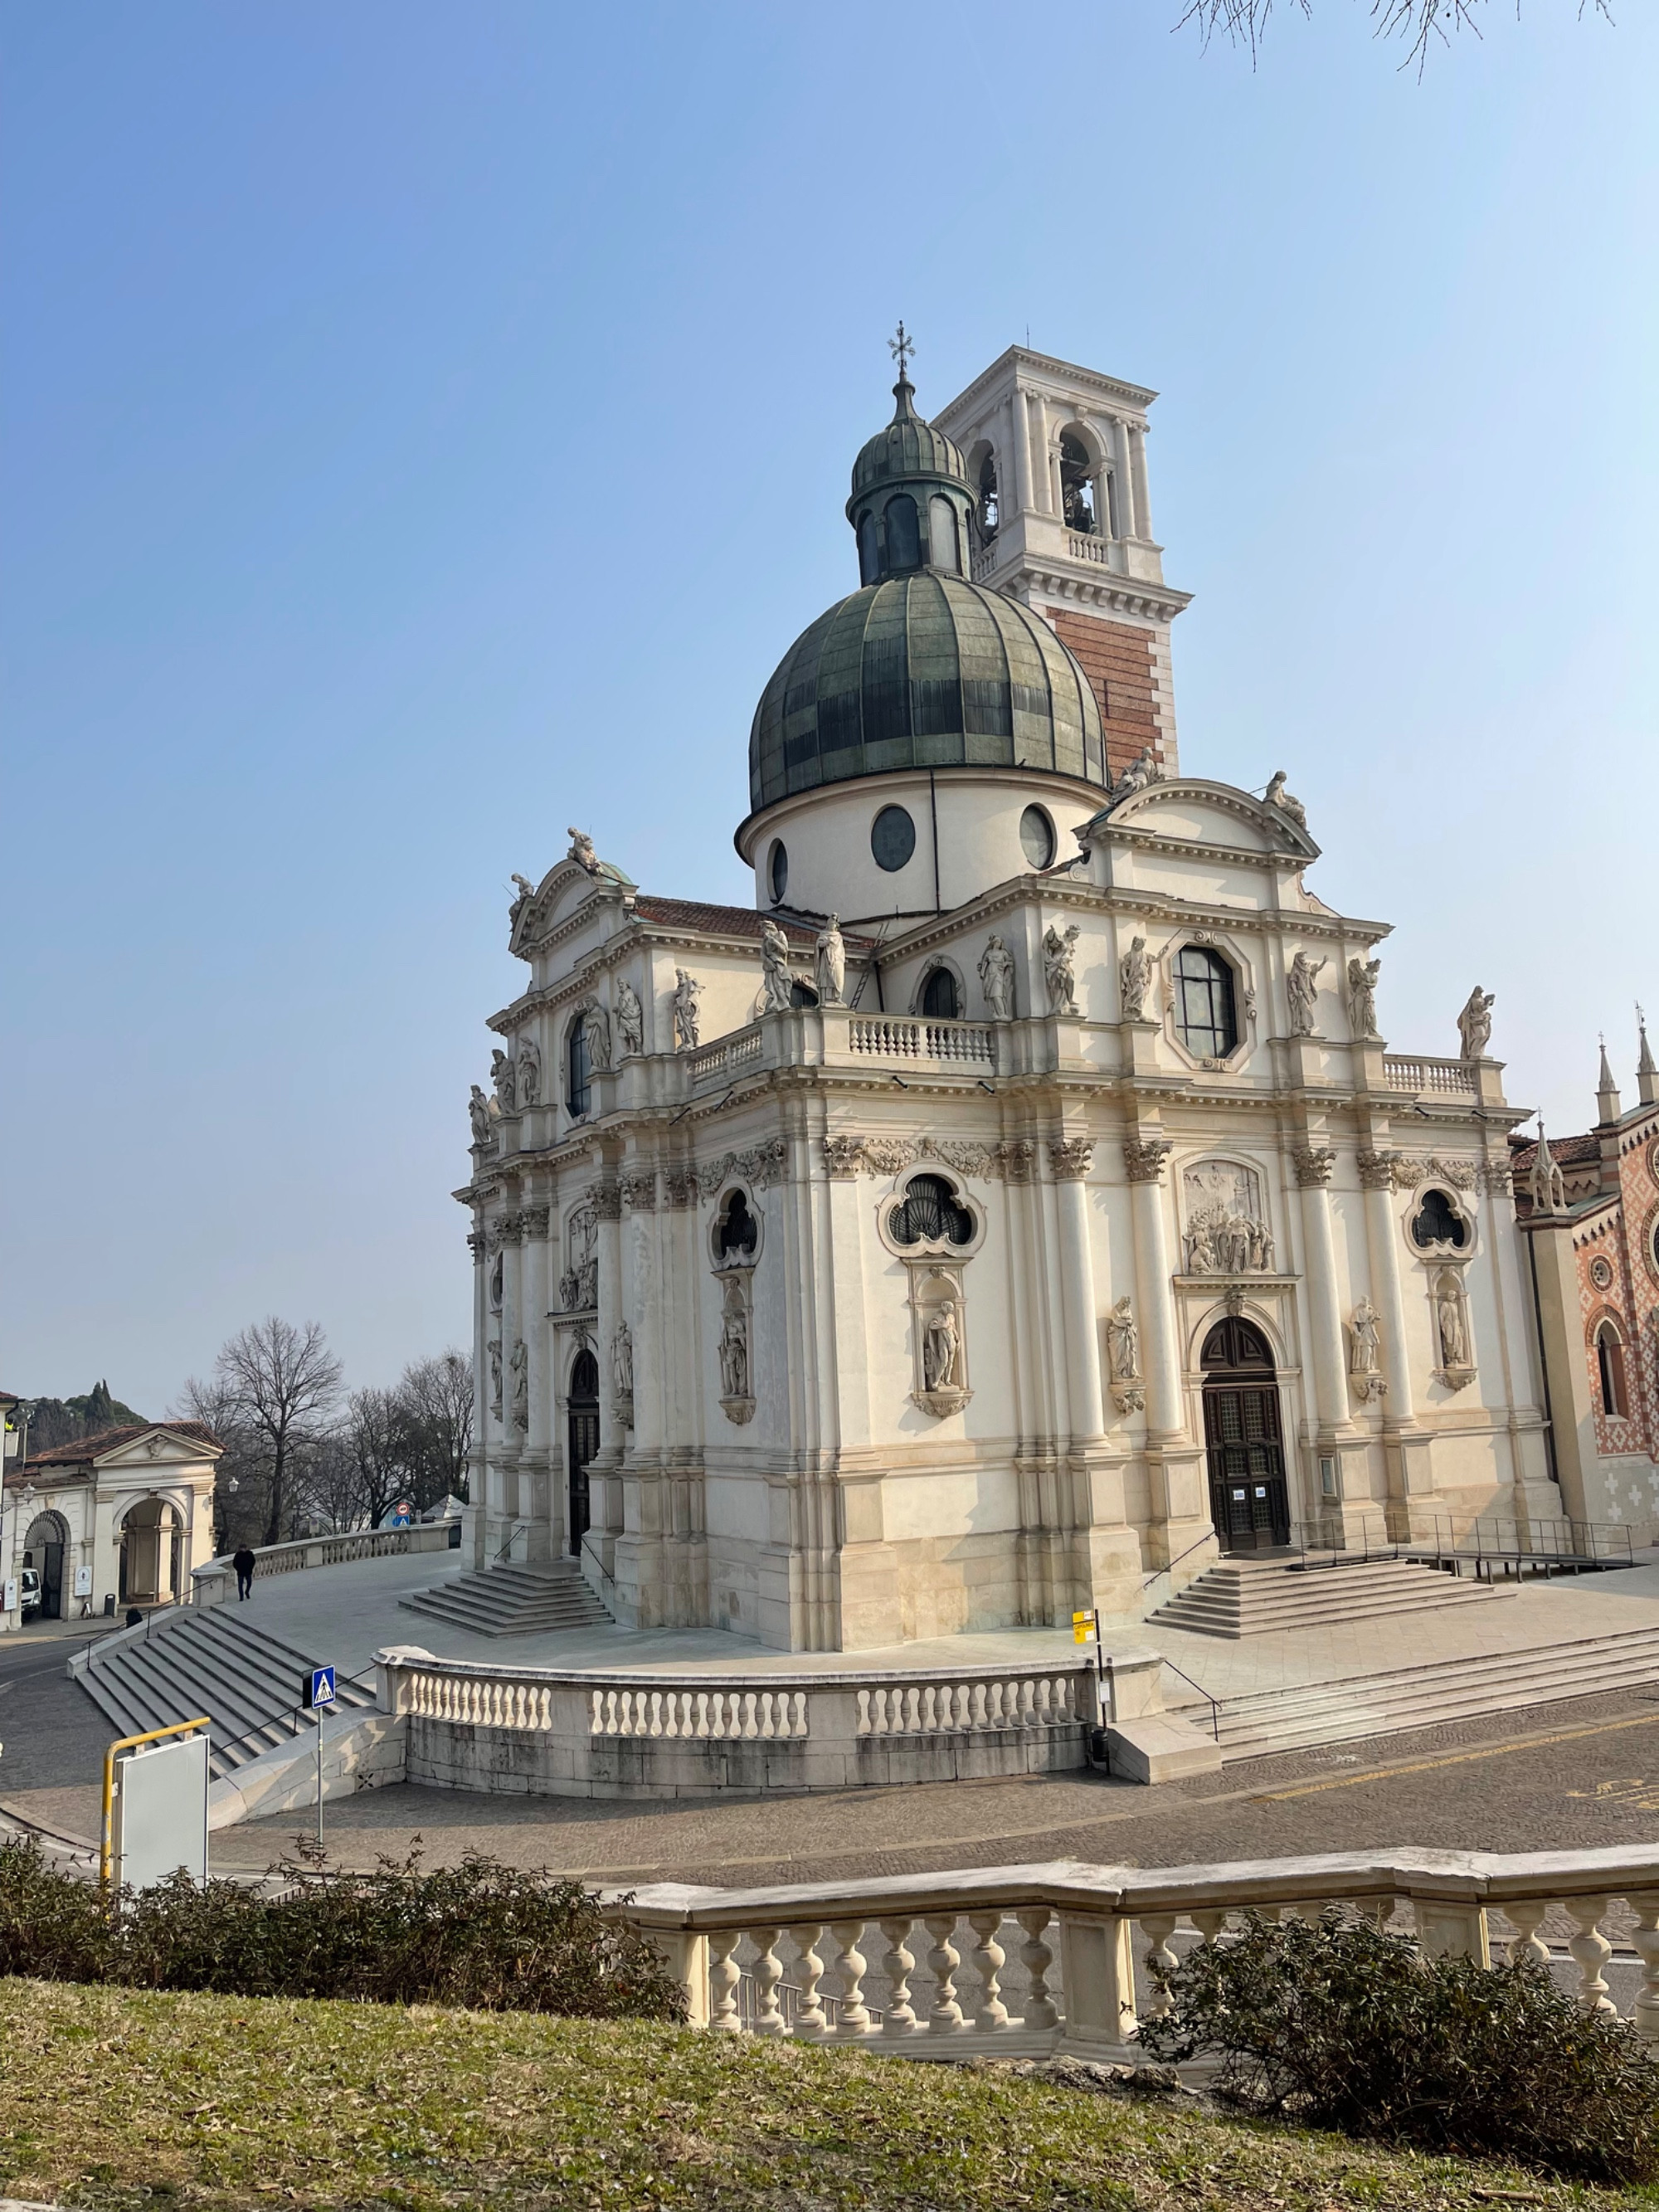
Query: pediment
point(566, 887)
point(1186, 811)
point(157, 1448)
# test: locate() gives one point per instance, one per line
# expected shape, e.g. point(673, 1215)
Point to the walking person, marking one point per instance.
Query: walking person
point(244, 1564)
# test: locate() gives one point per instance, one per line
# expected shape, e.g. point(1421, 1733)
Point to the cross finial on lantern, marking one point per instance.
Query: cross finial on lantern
point(902, 347)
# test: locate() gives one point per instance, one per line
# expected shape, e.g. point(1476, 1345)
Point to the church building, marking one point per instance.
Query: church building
point(1019, 1203)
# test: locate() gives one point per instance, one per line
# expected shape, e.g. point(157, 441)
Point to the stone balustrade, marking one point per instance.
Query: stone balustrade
point(727, 1057)
point(216, 1582)
point(589, 1732)
point(888, 1037)
point(1426, 1077)
point(1019, 1961)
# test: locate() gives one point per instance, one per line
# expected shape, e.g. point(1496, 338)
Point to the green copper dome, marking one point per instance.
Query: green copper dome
point(922, 670)
point(907, 448)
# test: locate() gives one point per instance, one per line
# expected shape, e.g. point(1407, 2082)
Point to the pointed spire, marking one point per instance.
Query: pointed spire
point(1647, 1075)
point(1607, 1091)
point(1546, 1186)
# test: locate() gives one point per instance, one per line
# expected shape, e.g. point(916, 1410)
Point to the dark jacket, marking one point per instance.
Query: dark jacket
point(244, 1561)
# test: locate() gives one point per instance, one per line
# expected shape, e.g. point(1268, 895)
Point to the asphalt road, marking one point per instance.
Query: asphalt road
point(1571, 1776)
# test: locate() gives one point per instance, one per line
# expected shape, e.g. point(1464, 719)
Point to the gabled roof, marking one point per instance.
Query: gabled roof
point(86, 1450)
point(1565, 1152)
point(726, 920)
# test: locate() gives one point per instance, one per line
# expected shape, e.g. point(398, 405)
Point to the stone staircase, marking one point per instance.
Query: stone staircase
point(513, 1599)
point(1315, 1713)
point(214, 1662)
point(1257, 1597)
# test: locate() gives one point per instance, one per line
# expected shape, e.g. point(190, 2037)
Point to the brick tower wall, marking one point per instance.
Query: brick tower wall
point(1128, 668)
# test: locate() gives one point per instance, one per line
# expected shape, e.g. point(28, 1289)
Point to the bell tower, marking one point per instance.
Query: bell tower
point(1062, 521)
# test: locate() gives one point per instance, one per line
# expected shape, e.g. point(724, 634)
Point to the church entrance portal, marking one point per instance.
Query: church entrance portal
point(43, 1550)
point(1249, 1502)
point(582, 1442)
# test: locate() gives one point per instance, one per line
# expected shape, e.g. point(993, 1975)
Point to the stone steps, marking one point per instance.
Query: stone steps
point(1263, 1597)
point(513, 1599)
point(213, 1662)
point(1315, 1713)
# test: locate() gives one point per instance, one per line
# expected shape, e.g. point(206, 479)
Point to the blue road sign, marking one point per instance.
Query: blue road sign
point(320, 1690)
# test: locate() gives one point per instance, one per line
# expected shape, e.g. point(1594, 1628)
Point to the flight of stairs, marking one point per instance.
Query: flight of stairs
point(513, 1599)
point(212, 1661)
point(1255, 1597)
point(1317, 1713)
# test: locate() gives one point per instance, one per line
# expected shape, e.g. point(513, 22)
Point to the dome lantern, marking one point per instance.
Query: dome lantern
point(910, 502)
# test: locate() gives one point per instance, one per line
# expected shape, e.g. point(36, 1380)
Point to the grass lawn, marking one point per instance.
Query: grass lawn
point(113, 2097)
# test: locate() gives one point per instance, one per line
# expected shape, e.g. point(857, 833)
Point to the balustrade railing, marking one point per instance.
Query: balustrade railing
point(1017, 1959)
point(884, 1036)
point(212, 1582)
point(1426, 1076)
point(1083, 546)
point(727, 1056)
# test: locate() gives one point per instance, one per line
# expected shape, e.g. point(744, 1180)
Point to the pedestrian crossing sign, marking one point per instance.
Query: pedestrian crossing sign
point(319, 1689)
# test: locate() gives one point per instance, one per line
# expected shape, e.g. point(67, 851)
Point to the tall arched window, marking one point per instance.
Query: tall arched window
point(942, 549)
point(1077, 493)
point(904, 533)
point(988, 506)
point(1610, 1367)
point(869, 557)
point(578, 1088)
point(1204, 1003)
point(939, 996)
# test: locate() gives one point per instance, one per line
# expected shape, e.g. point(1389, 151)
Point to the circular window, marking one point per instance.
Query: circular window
point(1601, 1274)
point(777, 873)
point(892, 838)
point(1036, 837)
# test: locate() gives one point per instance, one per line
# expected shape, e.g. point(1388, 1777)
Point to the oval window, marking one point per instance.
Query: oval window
point(892, 838)
point(777, 873)
point(1036, 837)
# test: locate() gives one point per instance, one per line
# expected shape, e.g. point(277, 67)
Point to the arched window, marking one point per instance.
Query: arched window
point(1438, 1221)
point(1077, 493)
point(942, 549)
point(904, 533)
point(939, 996)
point(578, 1088)
point(1204, 1003)
point(928, 1213)
point(1610, 1367)
point(989, 509)
point(869, 557)
point(739, 1231)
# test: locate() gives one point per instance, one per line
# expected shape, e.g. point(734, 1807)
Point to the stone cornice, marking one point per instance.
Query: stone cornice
point(1121, 398)
point(1085, 586)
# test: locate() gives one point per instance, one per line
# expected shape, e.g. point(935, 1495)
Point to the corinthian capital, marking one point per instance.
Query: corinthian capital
point(1143, 1158)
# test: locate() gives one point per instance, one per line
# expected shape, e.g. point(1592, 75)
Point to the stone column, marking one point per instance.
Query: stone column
point(535, 1281)
point(604, 1496)
point(1070, 1158)
point(1160, 1358)
point(1138, 471)
point(1313, 1164)
point(1126, 486)
point(1377, 1179)
point(640, 1546)
point(514, 1436)
point(1025, 492)
point(1043, 490)
point(472, 1528)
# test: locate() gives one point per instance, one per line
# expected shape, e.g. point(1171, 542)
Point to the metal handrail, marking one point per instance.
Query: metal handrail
point(522, 1529)
point(1215, 1709)
point(1208, 1537)
point(363, 1675)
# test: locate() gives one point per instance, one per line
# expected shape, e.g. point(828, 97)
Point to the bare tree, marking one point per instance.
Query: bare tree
point(376, 1437)
point(241, 1478)
point(1418, 22)
point(283, 1383)
point(437, 1394)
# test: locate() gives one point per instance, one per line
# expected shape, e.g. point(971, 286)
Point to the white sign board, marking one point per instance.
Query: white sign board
point(10, 1597)
point(83, 1581)
point(162, 1812)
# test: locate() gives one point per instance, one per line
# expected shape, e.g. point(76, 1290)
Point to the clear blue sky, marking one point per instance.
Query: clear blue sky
point(426, 426)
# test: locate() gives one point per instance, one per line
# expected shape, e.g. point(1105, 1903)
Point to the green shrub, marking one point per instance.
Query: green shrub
point(1339, 2026)
point(480, 1934)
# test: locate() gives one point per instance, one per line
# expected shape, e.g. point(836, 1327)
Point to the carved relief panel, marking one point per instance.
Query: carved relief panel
point(1225, 1230)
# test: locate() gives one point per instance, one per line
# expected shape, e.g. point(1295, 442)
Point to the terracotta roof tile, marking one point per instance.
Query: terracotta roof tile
point(724, 921)
point(85, 1449)
point(1565, 1152)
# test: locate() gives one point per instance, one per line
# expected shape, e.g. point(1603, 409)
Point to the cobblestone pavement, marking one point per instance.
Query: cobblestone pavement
point(1567, 1777)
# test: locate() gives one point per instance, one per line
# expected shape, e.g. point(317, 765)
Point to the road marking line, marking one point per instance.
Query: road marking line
point(1454, 1759)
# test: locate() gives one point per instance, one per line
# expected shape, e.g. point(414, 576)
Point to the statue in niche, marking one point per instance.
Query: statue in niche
point(939, 1346)
point(734, 1351)
point(579, 1285)
point(1302, 987)
point(777, 983)
point(1123, 1344)
point(530, 1071)
point(501, 1074)
point(996, 974)
point(494, 1349)
point(597, 1029)
point(520, 1363)
point(1475, 1023)
point(1059, 954)
point(1276, 796)
point(483, 1113)
point(1448, 1321)
point(686, 989)
point(831, 970)
point(1134, 977)
point(630, 1017)
point(581, 851)
point(497, 1274)
point(1367, 1331)
point(1362, 996)
point(622, 1361)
